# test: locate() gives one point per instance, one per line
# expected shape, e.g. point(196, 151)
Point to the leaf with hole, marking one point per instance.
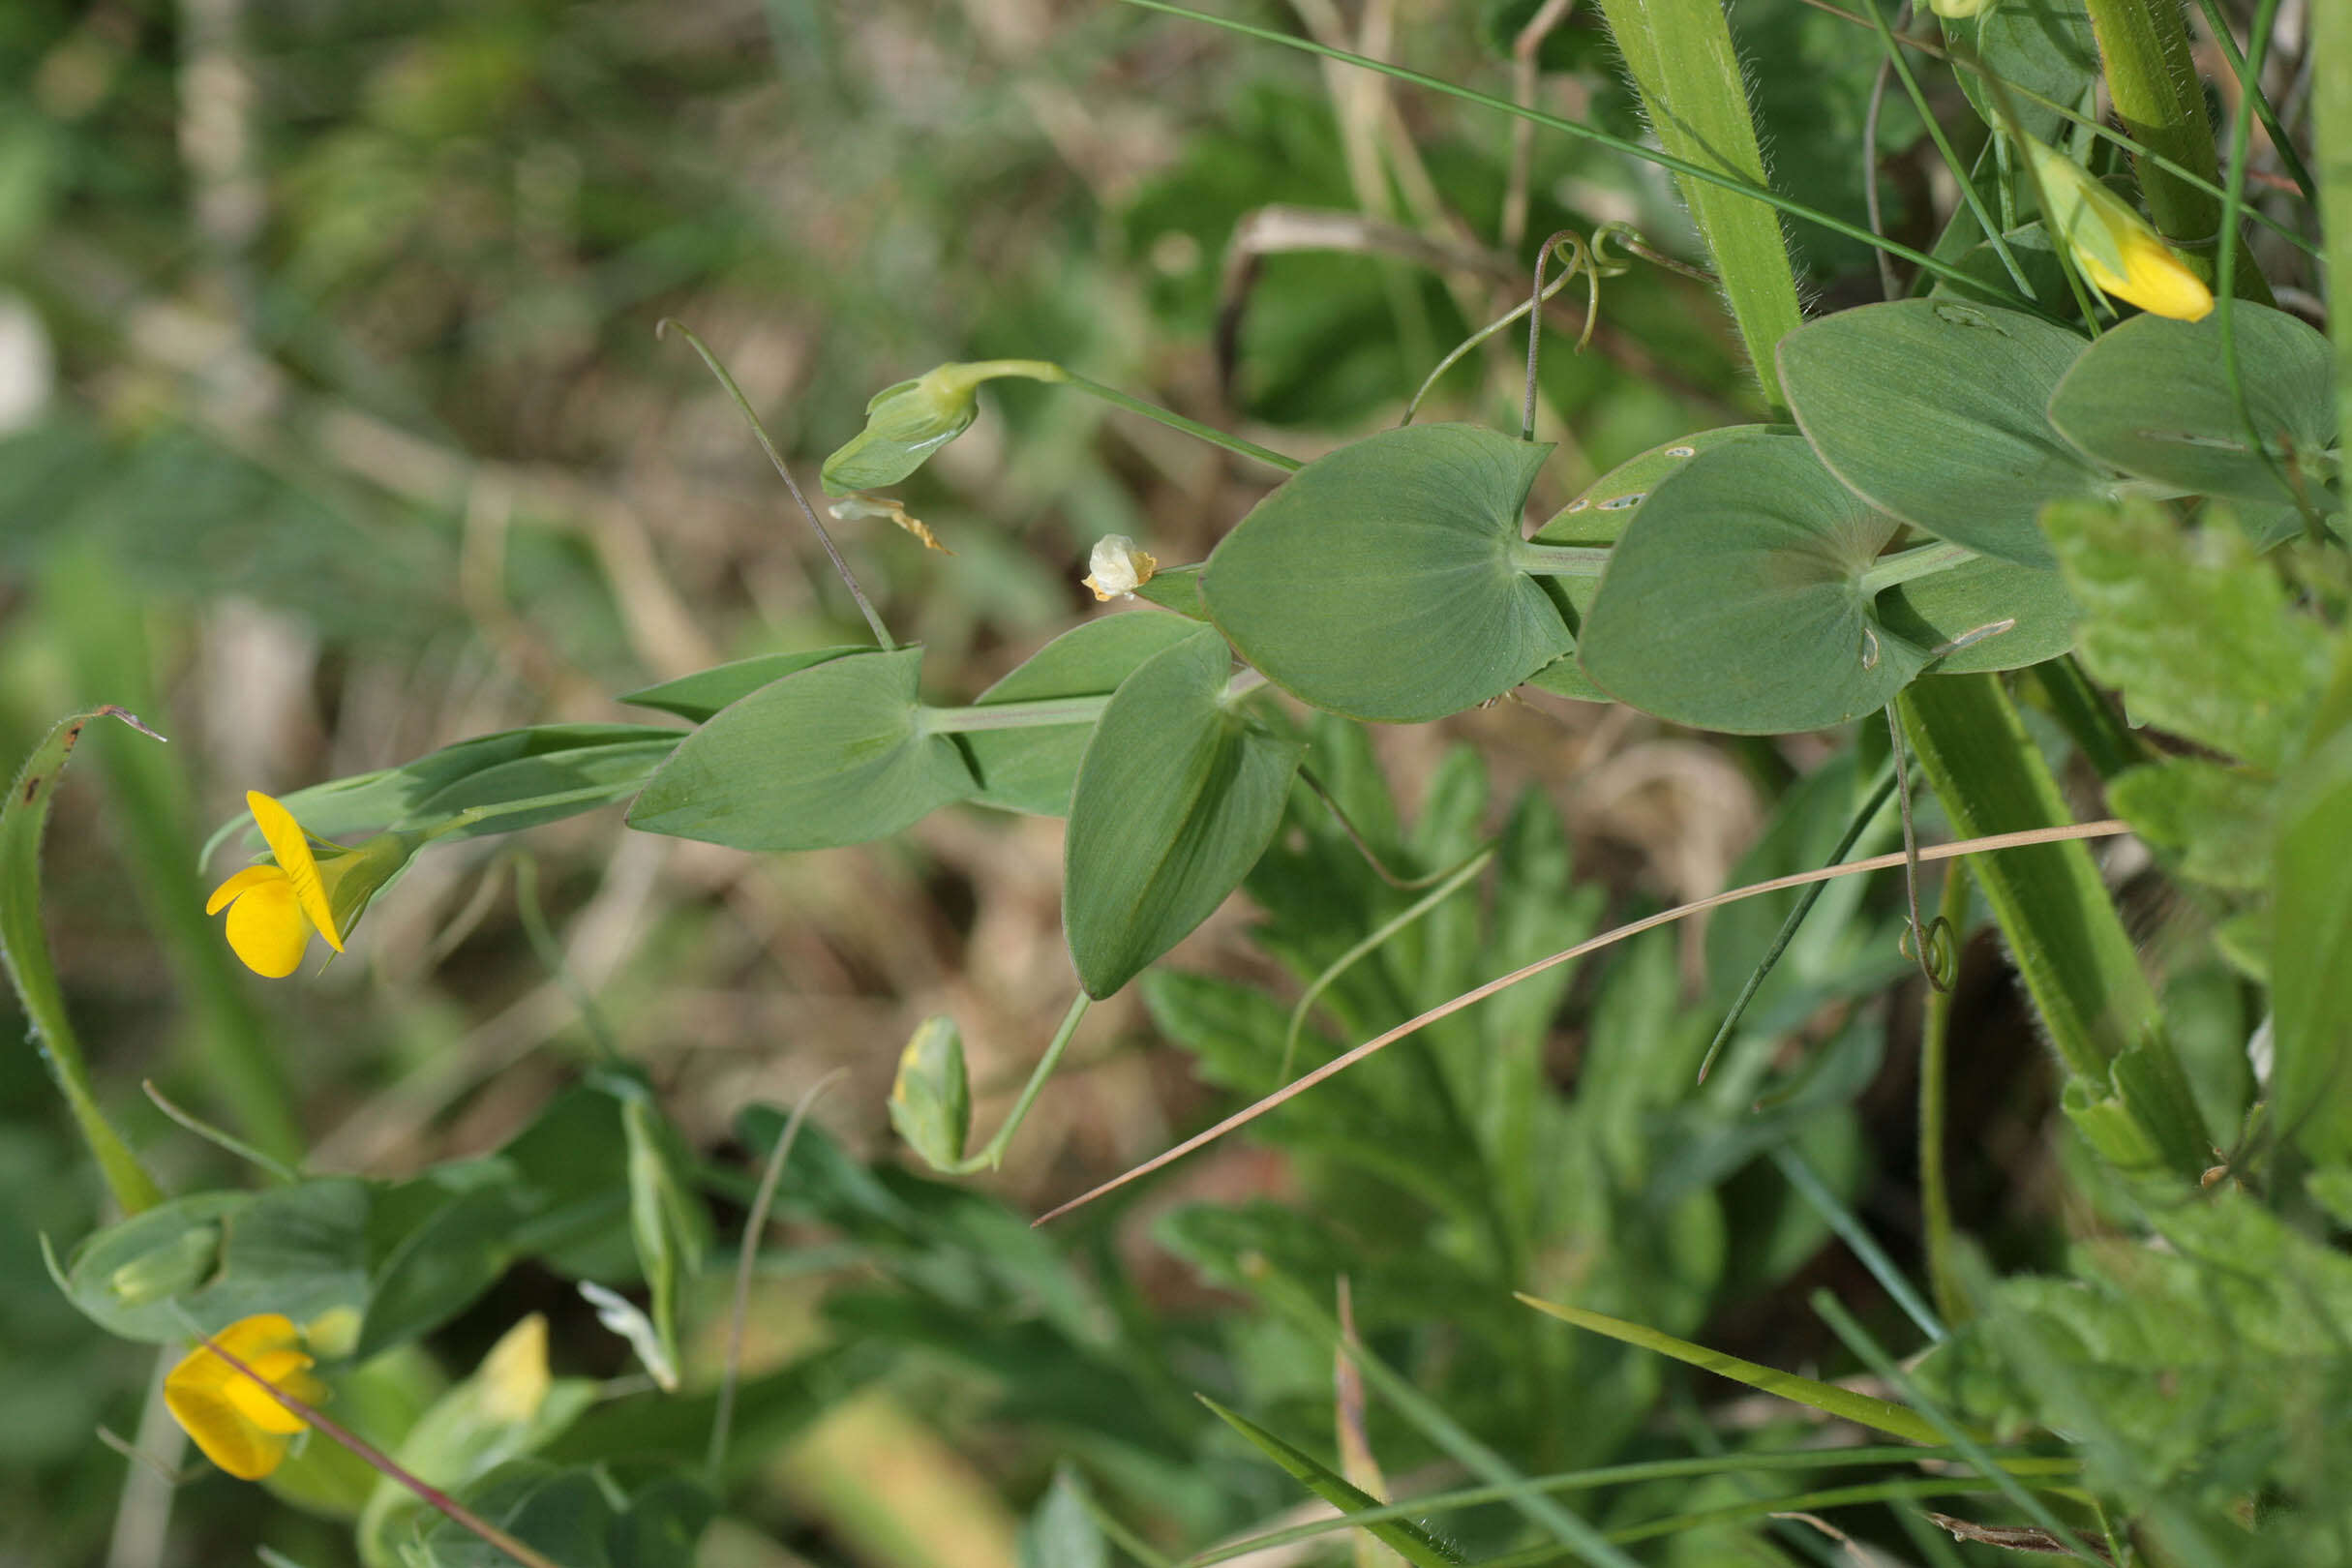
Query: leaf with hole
point(837, 754)
point(1932, 409)
point(2153, 398)
point(1179, 793)
point(1382, 581)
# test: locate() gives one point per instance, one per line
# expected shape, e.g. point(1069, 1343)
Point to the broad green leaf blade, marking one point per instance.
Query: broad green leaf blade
point(1406, 1539)
point(1178, 795)
point(1932, 409)
point(700, 695)
point(1379, 581)
point(301, 1250)
point(1880, 1415)
point(1177, 589)
point(1033, 769)
point(2312, 953)
point(2044, 46)
point(835, 754)
point(2196, 632)
point(488, 770)
point(1599, 517)
point(25, 949)
point(2152, 398)
point(1735, 601)
point(1977, 595)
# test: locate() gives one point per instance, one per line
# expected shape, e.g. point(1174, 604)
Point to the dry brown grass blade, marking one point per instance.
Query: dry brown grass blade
point(1340, 1064)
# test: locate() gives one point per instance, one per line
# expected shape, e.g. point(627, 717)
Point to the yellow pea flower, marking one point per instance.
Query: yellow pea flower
point(312, 886)
point(2112, 244)
point(233, 1420)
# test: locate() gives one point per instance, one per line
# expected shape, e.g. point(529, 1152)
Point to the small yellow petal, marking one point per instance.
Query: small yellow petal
point(292, 848)
point(266, 930)
point(2159, 282)
point(253, 876)
point(237, 1425)
point(226, 1438)
point(514, 1377)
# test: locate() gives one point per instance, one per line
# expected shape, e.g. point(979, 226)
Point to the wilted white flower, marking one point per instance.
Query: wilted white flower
point(1118, 568)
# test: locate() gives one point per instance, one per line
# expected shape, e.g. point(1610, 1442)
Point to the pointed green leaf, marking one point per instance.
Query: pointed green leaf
point(1179, 793)
point(1379, 581)
point(702, 694)
point(1735, 600)
point(2152, 398)
point(835, 754)
point(1932, 410)
point(1033, 769)
point(1406, 1539)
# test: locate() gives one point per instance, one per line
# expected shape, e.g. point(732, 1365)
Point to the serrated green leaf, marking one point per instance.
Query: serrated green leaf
point(835, 754)
point(1178, 795)
point(1379, 582)
point(2152, 398)
point(2219, 819)
point(1933, 411)
point(2195, 631)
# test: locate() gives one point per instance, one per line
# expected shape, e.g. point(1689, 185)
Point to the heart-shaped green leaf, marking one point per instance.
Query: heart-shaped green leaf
point(1179, 793)
point(2153, 398)
point(1032, 770)
point(1379, 582)
point(835, 754)
point(1598, 517)
point(1735, 600)
point(1932, 409)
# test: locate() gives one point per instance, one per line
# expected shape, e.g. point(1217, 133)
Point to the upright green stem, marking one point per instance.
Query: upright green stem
point(2070, 944)
point(993, 1155)
point(1680, 55)
point(2152, 83)
point(1935, 1048)
point(2331, 145)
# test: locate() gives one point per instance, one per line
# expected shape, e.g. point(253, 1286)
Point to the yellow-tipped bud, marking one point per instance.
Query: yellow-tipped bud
point(2116, 250)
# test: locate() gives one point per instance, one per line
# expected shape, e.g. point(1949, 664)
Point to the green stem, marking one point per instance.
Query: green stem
point(2331, 145)
point(1935, 1042)
point(1558, 560)
point(1754, 190)
point(24, 951)
point(1031, 715)
point(1681, 58)
point(2152, 83)
point(1944, 147)
point(1907, 565)
point(993, 1155)
point(2106, 742)
point(2249, 87)
point(471, 816)
point(2069, 946)
point(1176, 421)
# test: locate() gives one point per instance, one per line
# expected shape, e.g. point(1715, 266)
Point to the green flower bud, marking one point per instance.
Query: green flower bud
point(906, 423)
point(931, 1101)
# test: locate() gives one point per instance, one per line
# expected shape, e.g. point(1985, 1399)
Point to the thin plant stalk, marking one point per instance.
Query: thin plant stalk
point(1935, 1069)
point(2027, 838)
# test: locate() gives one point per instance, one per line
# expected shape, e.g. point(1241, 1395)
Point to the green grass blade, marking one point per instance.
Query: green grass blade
point(1631, 149)
point(1406, 1539)
point(24, 948)
point(1827, 1397)
point(2332, 144)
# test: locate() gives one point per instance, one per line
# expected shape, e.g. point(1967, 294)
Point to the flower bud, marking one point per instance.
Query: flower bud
point(2117, 252)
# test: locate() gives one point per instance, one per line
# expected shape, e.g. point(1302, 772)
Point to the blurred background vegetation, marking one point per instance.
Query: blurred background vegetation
point(337, 429)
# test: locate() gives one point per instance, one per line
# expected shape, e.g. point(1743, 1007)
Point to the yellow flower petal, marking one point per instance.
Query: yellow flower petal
point(267, 930)
point(293, 847)
point(2159, 282)
point(237, 1425)
point(253, 876)
point(514, 1377)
